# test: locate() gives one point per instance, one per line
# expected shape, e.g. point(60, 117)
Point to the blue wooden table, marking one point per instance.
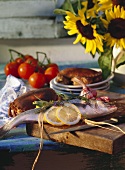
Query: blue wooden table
point(17, 139)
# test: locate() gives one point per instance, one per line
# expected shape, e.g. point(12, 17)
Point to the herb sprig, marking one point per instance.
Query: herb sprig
point(62, 98)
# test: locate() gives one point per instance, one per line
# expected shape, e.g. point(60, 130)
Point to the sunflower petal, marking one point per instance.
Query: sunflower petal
point(78, 38)
point(72, 32)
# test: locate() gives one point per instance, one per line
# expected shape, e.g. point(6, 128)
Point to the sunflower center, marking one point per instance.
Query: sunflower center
point(86, 31)
point(90, 4)
point(118, 2)
point(117, 28)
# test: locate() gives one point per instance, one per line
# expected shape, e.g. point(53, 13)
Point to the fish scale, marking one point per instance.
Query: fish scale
point(32, 115)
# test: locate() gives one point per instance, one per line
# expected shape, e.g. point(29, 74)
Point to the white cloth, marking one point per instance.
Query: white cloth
point(13, 88)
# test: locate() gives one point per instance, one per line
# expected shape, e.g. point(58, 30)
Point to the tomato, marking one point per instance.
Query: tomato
point(37, 80)
point(53, 65)
point(28, 56)
point(25, 70)
point(11, 68)
point(51, 73)
point(19, 60)
point(39, 69)
point(32, 61)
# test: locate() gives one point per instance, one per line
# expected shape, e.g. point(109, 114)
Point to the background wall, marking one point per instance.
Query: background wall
point(21, 19)
point(30, 25)
point(56, 49)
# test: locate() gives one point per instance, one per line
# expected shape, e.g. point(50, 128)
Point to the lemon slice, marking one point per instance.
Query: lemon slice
point(68, 114)
point(51, 118)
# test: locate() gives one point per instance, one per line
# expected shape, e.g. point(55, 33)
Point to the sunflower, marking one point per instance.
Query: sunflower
point(108, 4)
point(115, 25)
point(86, 33)
point(90, 7)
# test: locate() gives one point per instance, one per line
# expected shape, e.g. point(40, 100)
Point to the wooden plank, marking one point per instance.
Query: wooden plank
point(104, 140)
point(30, 28)
point(22, 19)
point(27, 8)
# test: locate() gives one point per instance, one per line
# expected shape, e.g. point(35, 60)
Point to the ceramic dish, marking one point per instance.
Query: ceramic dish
point(66, 92)
point(89, 85)
point(102, 82)
point(64, 88)
point(73, 92)
point(52, 85)
point(76, 90)
point(104, 86)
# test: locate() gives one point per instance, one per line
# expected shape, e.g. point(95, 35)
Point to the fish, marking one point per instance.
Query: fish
point(32, 116)
point(25, 117)
point(92, 107)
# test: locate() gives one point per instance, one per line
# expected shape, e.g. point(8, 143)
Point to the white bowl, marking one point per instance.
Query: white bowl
point(93, 85)
point(64, 88)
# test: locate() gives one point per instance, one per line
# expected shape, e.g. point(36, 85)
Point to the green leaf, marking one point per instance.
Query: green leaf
point(67, 6)
point(60, 11)
point(44, 104)
point(79, 5)
point(105, 63)
point(72, 6)
point(120, 59)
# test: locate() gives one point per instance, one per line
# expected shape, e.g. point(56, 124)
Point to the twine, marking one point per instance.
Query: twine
point(40, 123)
point(99, 124)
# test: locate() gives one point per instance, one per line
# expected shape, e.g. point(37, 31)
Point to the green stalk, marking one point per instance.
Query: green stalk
point(11, 56)
point(44, 59)
point(19, 54)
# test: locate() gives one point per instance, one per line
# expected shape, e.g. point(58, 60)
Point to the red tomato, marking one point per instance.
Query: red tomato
point(28, 56)
point(39, 69)
point(37, 80)
point(11, 68)
point(32, 61)
point(51, 73)
point(19, 60)
point(25, 70)
point(53, 65)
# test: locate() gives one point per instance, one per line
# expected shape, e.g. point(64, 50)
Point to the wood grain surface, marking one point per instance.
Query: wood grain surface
point(100, 139)
point(21, 19)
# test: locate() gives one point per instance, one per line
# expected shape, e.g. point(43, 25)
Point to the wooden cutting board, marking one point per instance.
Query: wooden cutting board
point(99, 139)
